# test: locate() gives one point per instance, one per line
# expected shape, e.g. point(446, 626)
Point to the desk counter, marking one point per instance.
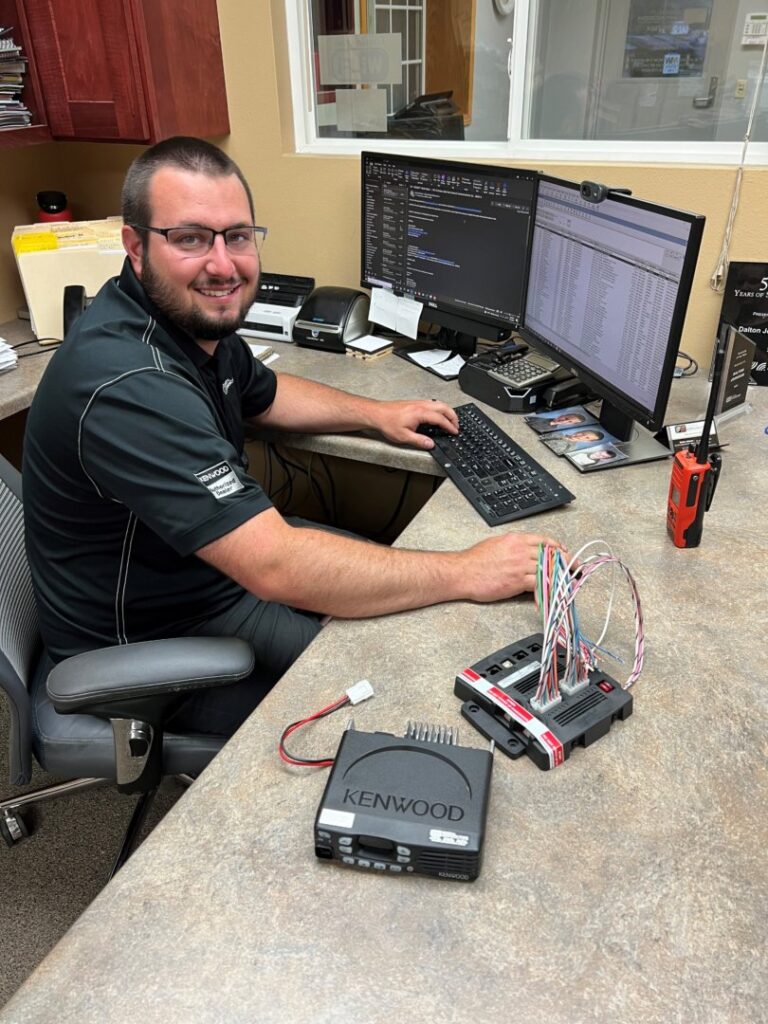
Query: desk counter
point(628, 885)
point(17, 387)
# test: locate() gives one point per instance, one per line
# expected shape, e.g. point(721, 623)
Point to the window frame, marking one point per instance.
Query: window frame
point(516, 148)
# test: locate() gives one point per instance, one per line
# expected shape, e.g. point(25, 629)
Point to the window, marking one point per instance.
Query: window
point(407, 21)
point(538, 79)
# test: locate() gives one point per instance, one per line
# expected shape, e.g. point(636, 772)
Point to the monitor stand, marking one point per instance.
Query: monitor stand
point(458, 342)
point(634, 441)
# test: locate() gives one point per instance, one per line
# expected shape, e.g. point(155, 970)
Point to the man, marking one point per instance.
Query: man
point(141, 519)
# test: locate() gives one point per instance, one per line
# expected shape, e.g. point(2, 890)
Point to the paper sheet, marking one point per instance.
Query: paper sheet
point(361, 110)
point(396, 312)
point(450, 368)
point(360, 59)
point(259, 351)
point(430, 357)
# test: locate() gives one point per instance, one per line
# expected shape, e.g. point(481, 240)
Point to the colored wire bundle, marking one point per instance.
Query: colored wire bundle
point(557, 585)
point(359, 692)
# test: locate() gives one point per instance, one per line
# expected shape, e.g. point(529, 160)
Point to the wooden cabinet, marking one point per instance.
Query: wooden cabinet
point(128, 70)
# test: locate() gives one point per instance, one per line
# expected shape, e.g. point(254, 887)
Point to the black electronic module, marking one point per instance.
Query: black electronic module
point(415, 804)
point(497, 695)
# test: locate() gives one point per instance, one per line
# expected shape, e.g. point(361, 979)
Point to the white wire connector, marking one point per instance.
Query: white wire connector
point(546, 705)
point(360, 691)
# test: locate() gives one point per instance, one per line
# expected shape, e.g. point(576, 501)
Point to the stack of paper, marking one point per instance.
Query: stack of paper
point(13, 113)
point(437, 360)
point(264, 353)
point(369, 347)
point(8, 358)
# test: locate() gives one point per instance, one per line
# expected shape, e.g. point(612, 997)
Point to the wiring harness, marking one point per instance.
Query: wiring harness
point(354, 695)
point(557, 585)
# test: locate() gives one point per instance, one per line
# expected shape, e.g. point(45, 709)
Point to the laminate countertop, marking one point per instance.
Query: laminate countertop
point(627, 885)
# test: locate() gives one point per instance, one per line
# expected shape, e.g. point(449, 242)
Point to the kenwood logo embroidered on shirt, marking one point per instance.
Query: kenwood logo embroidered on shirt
point(220, 480)
point(227, 385)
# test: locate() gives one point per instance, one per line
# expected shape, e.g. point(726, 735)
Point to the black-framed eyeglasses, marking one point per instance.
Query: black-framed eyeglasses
point(197, 241)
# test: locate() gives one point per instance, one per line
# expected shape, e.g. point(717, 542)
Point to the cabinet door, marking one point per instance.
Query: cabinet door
point(87, 60)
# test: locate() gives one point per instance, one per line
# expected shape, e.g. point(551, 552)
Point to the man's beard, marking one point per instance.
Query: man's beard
point(190, 319)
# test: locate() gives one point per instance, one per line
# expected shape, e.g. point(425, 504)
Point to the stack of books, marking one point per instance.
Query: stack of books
point(13, 113)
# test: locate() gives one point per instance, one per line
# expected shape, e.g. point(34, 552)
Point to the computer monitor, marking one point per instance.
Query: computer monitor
point(608, 288)
point(451, 235)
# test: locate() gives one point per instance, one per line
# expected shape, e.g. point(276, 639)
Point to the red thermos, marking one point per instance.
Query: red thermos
point(52, 206)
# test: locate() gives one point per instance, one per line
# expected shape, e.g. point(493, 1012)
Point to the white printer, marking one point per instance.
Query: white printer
point(278, 301)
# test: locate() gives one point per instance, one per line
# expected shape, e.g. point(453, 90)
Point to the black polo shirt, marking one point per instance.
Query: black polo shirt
point(133, 460)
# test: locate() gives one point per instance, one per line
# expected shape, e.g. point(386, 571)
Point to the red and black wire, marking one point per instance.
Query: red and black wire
point(289, 758)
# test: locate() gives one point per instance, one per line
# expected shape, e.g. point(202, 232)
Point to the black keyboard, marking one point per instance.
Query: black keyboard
point(500, 480)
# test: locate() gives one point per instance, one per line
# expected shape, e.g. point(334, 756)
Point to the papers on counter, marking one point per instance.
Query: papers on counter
point(8, 358)
point(264, 353)
point(436, 360)
point(428, 357)
point(449, 368)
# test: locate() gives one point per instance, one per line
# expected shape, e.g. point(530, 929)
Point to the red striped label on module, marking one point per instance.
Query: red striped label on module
point(532, 725)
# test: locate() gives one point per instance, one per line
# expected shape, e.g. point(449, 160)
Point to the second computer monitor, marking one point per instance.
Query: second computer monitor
point(452, 235)
point(607, 293)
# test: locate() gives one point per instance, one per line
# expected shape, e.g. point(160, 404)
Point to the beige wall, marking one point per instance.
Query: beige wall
point(312, 203)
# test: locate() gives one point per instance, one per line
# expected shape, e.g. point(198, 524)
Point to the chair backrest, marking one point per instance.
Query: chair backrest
point(20, 642)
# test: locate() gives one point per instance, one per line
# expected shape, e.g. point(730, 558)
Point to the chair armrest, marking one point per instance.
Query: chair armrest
point(98, 682)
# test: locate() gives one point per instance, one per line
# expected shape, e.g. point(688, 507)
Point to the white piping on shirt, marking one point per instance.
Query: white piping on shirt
point(122, 580)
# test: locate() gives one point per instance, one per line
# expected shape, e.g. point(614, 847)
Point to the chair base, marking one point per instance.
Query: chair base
point(13, 828)
point(133, 832)
point(37, 796)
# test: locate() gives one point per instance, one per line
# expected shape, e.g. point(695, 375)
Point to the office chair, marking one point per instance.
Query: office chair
point(99, 718)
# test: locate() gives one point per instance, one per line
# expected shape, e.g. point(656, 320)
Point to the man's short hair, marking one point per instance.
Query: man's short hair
point(588, 434)
point(186, 154)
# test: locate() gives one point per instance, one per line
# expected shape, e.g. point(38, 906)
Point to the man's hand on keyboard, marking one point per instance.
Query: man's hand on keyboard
point(503, 566)
point(400, 421)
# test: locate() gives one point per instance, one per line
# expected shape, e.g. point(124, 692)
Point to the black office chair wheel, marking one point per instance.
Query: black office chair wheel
point(13, 828)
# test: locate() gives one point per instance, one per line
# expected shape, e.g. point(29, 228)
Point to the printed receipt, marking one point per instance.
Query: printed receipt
point(394, 311)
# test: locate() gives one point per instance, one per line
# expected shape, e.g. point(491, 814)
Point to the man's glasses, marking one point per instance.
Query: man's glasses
point(195, 241)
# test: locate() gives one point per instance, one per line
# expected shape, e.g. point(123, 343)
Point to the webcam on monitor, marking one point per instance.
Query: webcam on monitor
point(594, 192)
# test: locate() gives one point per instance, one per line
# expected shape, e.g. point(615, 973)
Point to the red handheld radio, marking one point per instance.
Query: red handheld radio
point(695, 474)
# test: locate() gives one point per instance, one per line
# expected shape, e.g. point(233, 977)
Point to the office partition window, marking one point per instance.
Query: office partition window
point(536, 79)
